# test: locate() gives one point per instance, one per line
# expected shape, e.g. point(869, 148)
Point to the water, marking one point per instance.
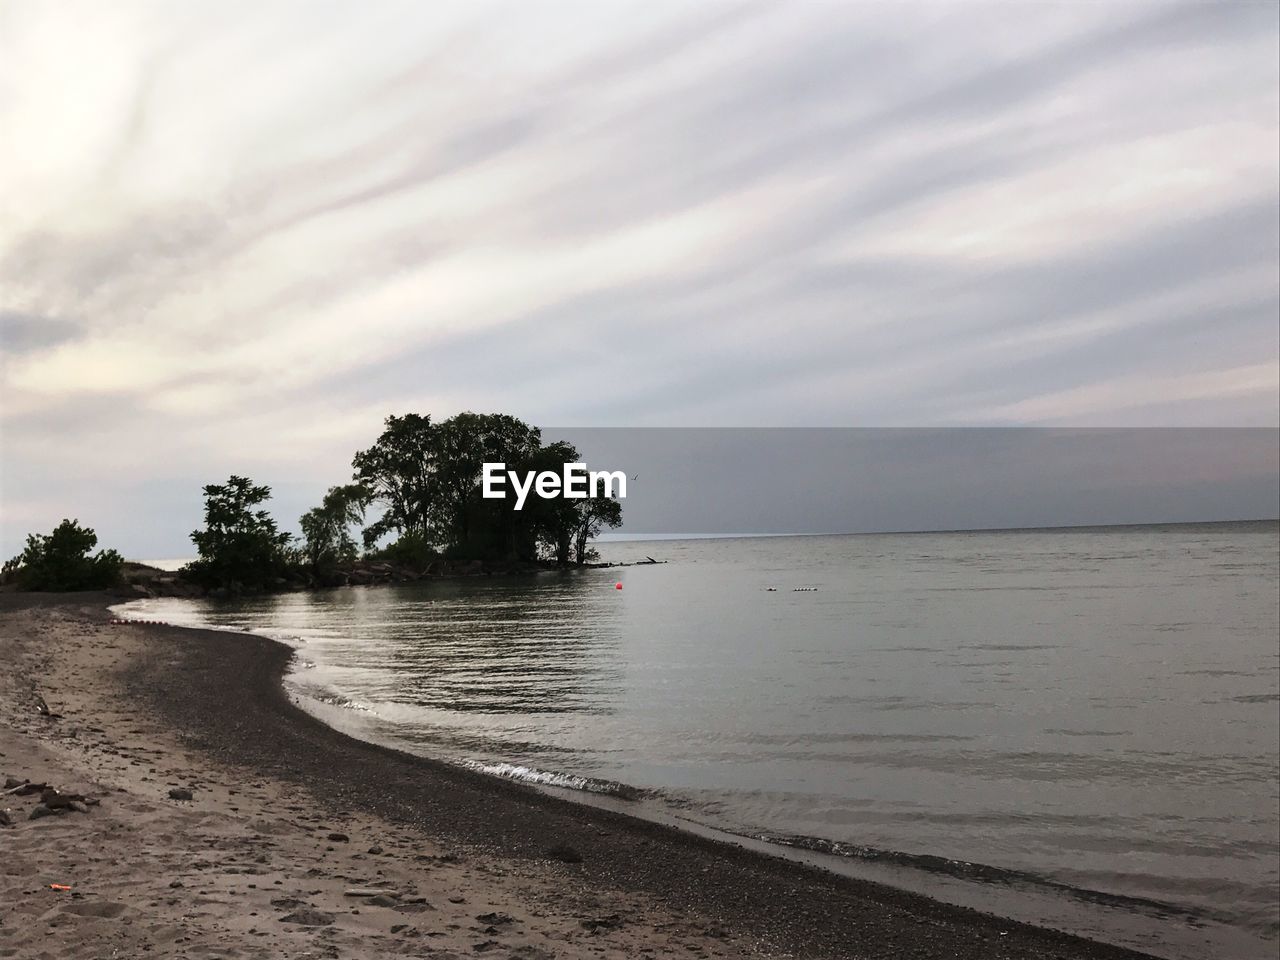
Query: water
point(1083, 719)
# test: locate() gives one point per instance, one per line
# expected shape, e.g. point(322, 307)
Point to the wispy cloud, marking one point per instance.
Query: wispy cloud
point(246, 233)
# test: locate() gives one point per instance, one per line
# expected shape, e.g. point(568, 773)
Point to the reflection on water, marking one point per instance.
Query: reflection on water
point(1094, 708)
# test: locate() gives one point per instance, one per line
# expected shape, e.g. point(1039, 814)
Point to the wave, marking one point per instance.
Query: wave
point(981, 873)
point(549, 778)
point(336, 700)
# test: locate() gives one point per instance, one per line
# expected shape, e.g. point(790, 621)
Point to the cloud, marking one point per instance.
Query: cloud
point(25, 332)
point(245, 234)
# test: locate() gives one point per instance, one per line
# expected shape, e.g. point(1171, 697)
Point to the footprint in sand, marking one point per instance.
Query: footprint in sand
point(101, 909)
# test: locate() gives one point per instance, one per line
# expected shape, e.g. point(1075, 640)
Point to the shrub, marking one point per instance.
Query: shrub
point(61, 561)
point(410, 550)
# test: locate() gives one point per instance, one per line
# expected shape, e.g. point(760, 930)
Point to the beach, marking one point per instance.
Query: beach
point(301, 842)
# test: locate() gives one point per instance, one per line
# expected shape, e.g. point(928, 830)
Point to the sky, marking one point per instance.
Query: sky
point(235, 236)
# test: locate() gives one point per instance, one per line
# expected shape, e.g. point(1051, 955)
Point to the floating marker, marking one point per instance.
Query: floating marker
point(618, 585)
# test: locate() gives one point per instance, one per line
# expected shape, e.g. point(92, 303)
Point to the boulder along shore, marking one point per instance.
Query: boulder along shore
point(165, 798)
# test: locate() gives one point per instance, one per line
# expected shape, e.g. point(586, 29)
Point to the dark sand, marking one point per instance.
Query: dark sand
point(147, 708)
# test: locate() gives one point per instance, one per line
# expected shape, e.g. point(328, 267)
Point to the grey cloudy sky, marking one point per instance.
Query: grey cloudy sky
point(234, 236)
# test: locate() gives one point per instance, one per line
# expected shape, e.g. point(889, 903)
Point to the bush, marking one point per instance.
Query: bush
point(61, 561)
point(410, 550)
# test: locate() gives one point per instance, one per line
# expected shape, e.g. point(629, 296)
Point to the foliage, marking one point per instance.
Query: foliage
point(552, 523)
point(464, 523)
point(61, 561)
point(398, 472)
point(327, 539)
point(410, 550)
point(240, 546)
point(593, 515)
point(427, 477)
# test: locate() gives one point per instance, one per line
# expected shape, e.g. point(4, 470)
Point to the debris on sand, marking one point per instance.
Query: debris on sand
point(369, 892)
point(308, 917)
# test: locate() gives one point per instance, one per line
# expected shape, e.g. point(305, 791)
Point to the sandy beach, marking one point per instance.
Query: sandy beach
point(301, 842)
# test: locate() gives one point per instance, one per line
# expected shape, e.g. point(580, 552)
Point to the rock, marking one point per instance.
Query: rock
point(308, 917)
point(564, 853)
point(496, 918)
point(414, 908)
point(397, 927)
point(56, 800)
point(338, 837)
point(11, 782)
point(383, 900)
point(375, 850)
point(40, 810)
point(180, 793)
point(611, 922)
point(6, 820)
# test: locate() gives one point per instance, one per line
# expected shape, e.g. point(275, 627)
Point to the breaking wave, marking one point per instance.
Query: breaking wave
point(548, 778)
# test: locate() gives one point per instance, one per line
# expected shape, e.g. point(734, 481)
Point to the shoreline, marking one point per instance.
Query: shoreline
point(220, 694)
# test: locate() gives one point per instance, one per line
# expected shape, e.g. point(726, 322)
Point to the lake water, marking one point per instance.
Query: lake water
point(1081, 725)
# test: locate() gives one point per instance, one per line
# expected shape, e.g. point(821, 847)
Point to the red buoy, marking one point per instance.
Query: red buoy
point(618, 585)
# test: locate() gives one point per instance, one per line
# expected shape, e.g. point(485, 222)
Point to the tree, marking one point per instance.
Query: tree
point(594, 514)
point(240, 547)
point(327, 539)
point(398, 472)
point(462, 520)
point(553, 522)
point(60, 561)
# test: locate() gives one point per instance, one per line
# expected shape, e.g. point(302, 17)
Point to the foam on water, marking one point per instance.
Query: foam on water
point(549, 778)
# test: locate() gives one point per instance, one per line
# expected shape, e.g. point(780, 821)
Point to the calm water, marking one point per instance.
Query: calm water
point(1088, 716)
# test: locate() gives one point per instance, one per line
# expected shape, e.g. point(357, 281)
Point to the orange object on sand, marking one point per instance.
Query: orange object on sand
point(58, 886)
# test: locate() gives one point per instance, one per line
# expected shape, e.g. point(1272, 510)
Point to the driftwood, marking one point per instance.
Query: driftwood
point(26, 787)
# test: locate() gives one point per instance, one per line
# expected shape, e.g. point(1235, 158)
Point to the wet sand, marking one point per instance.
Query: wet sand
point(302, 842)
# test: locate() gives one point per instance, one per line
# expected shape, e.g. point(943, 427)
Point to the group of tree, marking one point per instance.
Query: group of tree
point(426, 477)
point(424, 481)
